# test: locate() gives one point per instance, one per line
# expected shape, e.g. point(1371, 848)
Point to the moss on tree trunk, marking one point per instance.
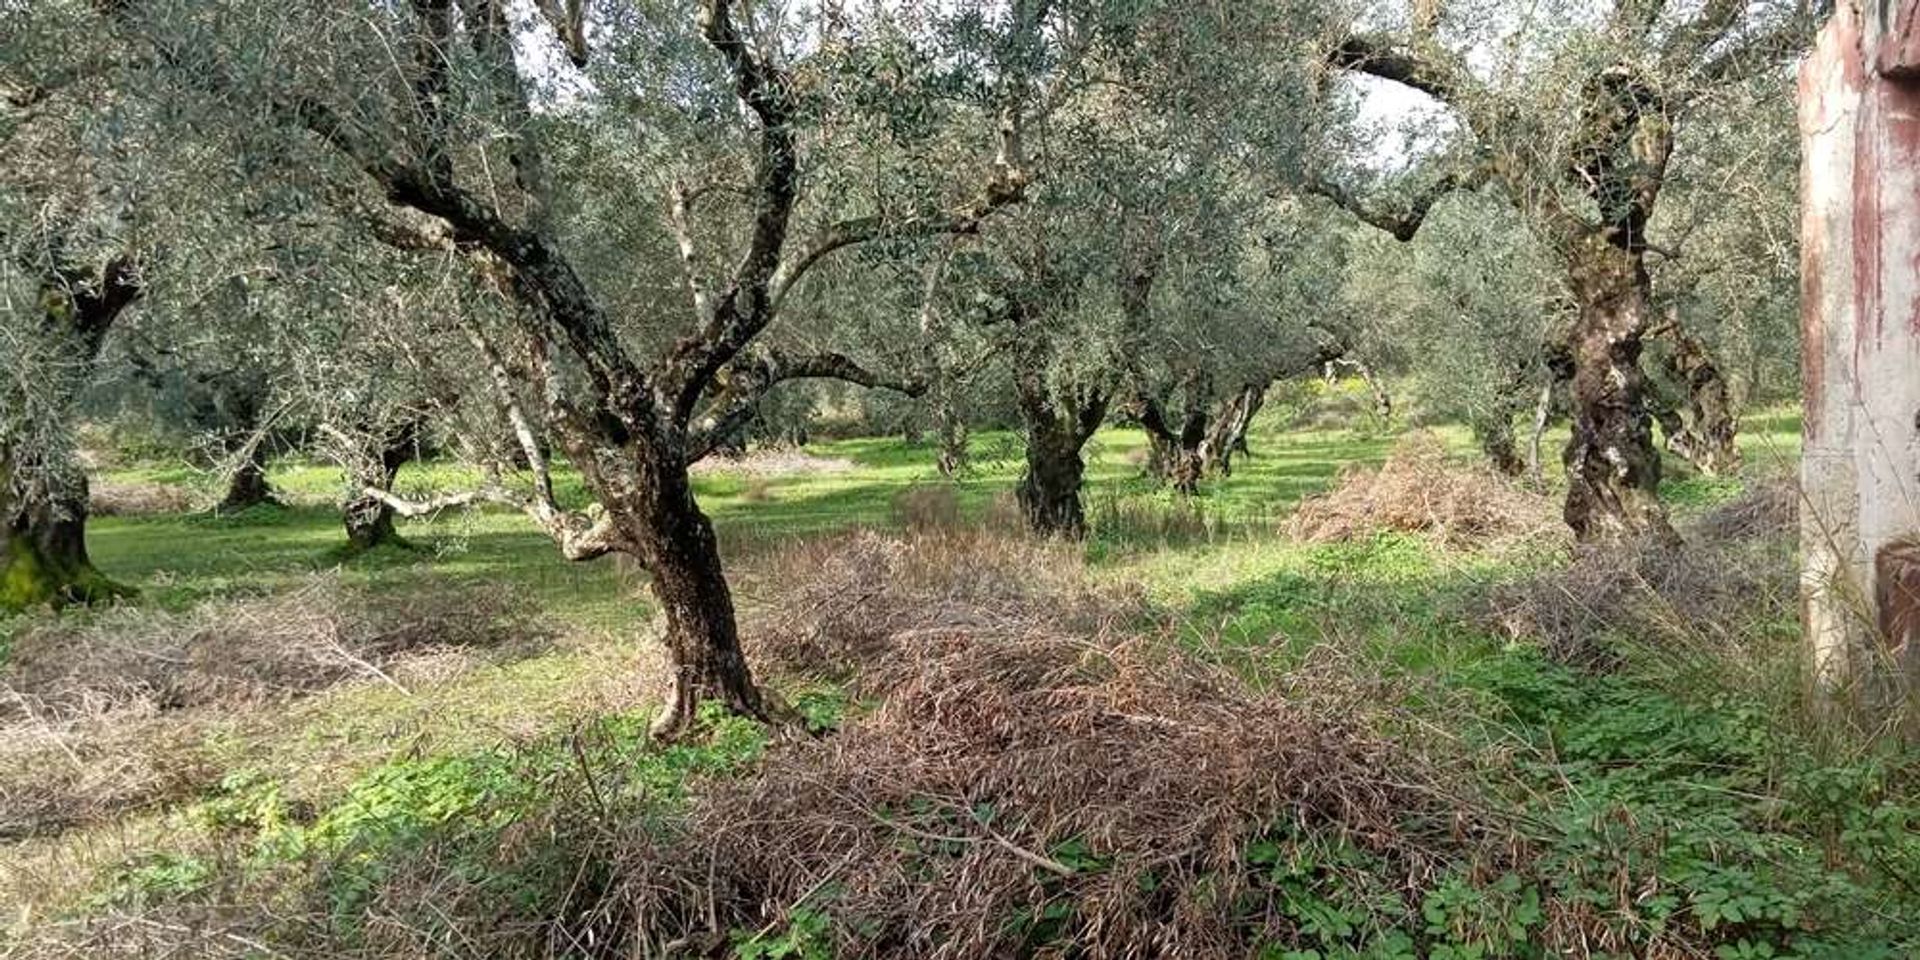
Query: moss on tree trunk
point(43, 558)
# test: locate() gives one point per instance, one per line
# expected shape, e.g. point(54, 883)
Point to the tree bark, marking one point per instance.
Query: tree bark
point(953, 442)
point(1699, 423)
point(43, 547)
point(1559, 371)
point(247, 485)
point(1228, 434)
point(676, 543)
point(1057, 429)
point(230, 406)
point(1493, 427)
point(369, 519)
point(1498, 441)
point(1860, 317)
point(1049, 491)
point(1613, 468)
point(43, 492)
point(1179, 457)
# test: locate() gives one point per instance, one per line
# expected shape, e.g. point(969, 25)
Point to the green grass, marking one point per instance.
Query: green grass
point(1702, 793)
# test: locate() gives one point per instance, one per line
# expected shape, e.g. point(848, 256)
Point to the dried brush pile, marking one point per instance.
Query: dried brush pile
point(243, 652)
point(1733, 582)
point(1033, 774)
point(134, 498)
point(1769, 509)
point(99, 714)
point(1419, 490)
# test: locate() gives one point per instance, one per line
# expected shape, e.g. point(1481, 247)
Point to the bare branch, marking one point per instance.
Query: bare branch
point(580, 537)
point(847, 233)
point(747, 383)
point(1400, 220)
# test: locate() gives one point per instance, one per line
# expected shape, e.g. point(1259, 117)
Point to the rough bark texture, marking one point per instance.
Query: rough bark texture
point(235, 408)
point(1228, 435)
point(1613, 469)
point(1498, 441)
point(1860, 469)
point(43, 494)
point(1179, 454)
point(43, 550)
point(952, 439)
point(676, 543)
point(1058, 426)
point(247, 485)
point(1697, 416)
point(1493, 427)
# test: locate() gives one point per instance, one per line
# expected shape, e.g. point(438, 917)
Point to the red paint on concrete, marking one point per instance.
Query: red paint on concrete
point(1898, 53)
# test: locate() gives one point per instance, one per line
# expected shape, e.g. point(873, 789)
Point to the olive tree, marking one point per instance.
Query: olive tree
point(1576, 120)
point(70, 268)
point(650, 217)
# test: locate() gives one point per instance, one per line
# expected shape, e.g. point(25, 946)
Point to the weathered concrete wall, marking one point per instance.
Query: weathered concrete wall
point(1860, 317)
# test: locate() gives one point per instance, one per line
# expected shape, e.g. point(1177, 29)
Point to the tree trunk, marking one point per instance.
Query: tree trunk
point(1493, 427)
point(1228, 434)
point(1179, 457)
point(43, 492)
point(1613, 469)
point(1699, 423)
point(1860, 318)
point(953, 459)
point(677, 546)
point(1049, 492)
point(1498, 441)
point(368, 519)
point(247, 486)
point(1057, 427)
point(43, 548)
point(951, 434)
point(1542, 412)
point(229, 406)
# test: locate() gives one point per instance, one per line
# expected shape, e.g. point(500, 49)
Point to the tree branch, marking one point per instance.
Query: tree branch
point(847, 233)
point(1401, 221)
point(748, 383)
point(1410, 65)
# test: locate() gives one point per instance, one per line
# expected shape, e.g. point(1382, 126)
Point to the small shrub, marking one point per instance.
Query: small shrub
point(1116, 517)
point(236, 652)
point(1717, 599)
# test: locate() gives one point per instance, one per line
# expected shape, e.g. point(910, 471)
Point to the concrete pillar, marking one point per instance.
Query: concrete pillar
point(1860, 319)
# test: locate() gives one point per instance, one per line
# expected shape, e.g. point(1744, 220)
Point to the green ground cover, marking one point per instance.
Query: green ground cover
point(1742, 826)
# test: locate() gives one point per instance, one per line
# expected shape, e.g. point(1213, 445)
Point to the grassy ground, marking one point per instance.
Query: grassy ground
point(1712, 766)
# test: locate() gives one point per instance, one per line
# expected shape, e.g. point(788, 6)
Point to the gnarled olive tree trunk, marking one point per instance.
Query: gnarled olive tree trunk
point(1698, 419)
point(675, 542)
point(1178, 456)
point(1613, 468)
point(1228, 434)
point(238, 412)
point(1057, 433)
point(43, 492)
point(43, 545)
point(1058, 425)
